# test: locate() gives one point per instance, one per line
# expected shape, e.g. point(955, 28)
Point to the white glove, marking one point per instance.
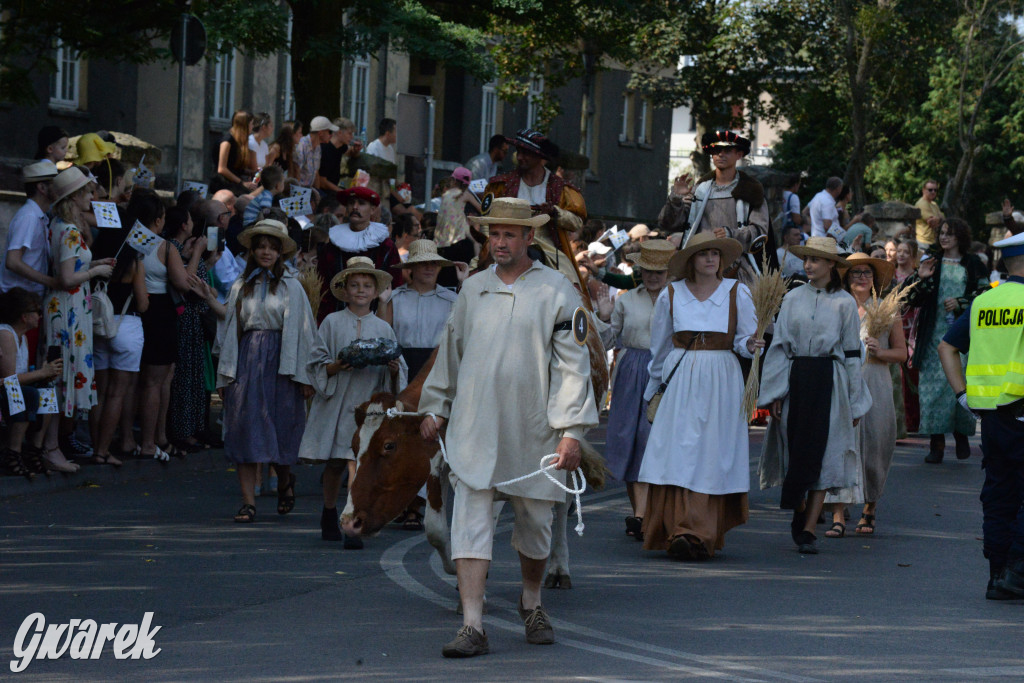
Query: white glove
point(961, 398)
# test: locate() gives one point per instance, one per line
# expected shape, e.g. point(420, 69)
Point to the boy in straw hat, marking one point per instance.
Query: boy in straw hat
point(340, 388)
point(512, 375)
point(419, 309)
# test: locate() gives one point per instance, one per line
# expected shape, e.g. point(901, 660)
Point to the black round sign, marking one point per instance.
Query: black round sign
point(195, 41)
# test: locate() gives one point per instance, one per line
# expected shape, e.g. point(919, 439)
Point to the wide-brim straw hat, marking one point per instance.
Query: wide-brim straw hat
point(822, 247)
point(510, 211)
point(67, 182)
point(654, 255)
point(424, 251)
point(729, 249)
point(358, 265)
point(882, 269)
point(271, 228)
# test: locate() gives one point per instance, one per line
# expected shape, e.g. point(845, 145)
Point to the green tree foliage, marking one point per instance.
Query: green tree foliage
point(121, 30)
point(969, 132)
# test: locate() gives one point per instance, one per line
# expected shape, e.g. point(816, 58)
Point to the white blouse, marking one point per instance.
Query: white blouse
point(631, 319)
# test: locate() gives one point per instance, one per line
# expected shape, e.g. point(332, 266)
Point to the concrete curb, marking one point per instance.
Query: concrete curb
point(132, 470)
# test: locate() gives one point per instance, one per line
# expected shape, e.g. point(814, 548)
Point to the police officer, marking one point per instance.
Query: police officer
point(993, 330)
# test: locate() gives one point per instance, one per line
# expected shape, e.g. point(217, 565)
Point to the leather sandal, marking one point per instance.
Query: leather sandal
point(867, 526)
point(286, 504)
point(837, 530)
point(246, 514)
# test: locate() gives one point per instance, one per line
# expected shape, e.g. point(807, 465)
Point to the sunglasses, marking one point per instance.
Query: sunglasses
point(931, 189)
point(723, 150)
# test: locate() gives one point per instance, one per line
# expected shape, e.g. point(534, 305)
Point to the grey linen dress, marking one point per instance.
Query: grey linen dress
point(818, 324)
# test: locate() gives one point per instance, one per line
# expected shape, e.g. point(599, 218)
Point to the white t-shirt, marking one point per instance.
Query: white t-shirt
point(823, 207)
point(536, 195)
point(260, 149)
point(27, 232)
point(790, 205)
point(378, 149)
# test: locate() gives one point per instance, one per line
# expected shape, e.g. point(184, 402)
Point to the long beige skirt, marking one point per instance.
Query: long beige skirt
point(673, 511)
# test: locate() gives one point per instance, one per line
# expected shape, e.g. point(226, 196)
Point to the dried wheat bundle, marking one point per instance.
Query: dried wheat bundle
point(313, 284)
point(767, 292)
point(880, 314)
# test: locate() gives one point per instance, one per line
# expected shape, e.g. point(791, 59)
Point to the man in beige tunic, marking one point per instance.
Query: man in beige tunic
point(513, 377)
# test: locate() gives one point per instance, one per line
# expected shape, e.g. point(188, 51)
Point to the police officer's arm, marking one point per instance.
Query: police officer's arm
point(956, 341)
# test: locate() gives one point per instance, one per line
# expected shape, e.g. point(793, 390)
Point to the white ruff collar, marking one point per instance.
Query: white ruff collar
point(345, 239)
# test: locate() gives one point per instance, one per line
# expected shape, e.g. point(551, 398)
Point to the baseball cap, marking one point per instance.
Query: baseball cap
point(320, 123)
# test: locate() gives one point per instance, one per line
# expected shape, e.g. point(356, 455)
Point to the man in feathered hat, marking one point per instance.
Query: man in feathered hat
point(547, 194)
point(727, 201)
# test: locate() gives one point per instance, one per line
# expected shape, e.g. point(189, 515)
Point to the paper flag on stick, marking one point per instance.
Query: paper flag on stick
point(143, 176)
point(201, 188)
point(618, 239)
point(143, 240)
point(296, 206)
point(47, 401)
point(304, 222)
point(15, 399)
point(106, 215)
point(477, 186)
point(300, 191)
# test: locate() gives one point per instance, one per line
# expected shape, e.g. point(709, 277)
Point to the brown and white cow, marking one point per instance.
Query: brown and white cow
point(393, 461)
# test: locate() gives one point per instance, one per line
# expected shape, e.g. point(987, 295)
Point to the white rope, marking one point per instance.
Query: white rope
point(578, 480)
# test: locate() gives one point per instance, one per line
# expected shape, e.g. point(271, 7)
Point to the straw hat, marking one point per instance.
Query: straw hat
point(39, 171)
point(639, 231)
point(92, 147)
point(822, 247)
point(729, 249)
point(424, 251)
point(358, 265)
point(654, 255)
point(510, 211)
point(882, 269)
point(271, 228)
point(68, 182)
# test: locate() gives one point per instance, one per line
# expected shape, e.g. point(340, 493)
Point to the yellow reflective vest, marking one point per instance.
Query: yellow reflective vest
point(995, 364)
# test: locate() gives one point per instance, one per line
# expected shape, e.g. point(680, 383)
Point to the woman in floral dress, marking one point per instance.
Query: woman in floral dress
point(68, 307)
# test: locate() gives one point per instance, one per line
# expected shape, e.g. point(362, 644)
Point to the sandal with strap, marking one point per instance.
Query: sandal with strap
point(172, 451)
point(246, 514)
point(286, 504)
point(866, 527)
point(11, 461)
point(33, 459)
point(837, 530)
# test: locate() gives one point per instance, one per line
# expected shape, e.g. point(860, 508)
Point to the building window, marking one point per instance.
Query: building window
point(626, 129)
point(288, 114)
point(488, 115)
point(533, 95)
point(644, 125)
point(64, 82)
point(359, 93)
point(224, 87)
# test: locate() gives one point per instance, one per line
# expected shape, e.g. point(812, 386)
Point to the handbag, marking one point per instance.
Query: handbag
point(104, 323)
point(652, 405)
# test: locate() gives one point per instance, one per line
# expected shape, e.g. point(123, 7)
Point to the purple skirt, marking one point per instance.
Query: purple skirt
point(264, 412)
point(628, 427)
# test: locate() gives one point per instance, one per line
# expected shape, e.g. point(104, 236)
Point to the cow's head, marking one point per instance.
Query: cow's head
point(392, 463)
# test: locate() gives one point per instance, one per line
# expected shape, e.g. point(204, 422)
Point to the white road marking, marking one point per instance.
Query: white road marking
point(393, 563)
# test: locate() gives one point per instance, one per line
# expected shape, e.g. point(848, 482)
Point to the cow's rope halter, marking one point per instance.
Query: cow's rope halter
point(551, 459)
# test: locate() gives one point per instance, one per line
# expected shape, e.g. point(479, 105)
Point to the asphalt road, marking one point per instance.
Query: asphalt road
point(271, 601)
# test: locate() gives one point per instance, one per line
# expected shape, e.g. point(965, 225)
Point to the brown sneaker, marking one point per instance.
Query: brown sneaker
point(538, 627)
point(468, 642)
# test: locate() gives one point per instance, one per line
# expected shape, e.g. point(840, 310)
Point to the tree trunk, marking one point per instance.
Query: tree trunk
point(858, 67)
point(315, 80)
